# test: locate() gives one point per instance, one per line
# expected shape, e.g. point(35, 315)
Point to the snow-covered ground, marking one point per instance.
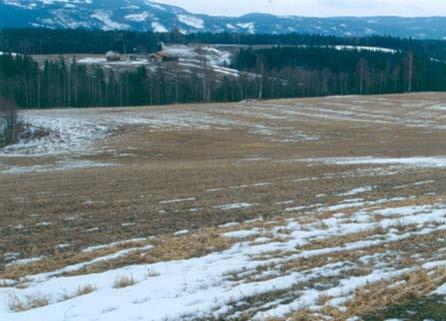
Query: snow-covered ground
point(71, 132)
point(210, 285)
point(103, 61)
point(427, 162)
point(158, 27)
point(360, 48)
point(192, 21)
point(62, 133)
point(203, 57)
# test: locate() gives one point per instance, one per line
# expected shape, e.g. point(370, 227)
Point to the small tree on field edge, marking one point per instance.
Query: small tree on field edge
point(8, 122)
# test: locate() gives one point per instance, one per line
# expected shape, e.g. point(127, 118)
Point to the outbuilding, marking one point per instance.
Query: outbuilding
point(112, 56)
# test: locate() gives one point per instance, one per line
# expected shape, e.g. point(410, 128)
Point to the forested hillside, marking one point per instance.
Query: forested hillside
point(145, 15)
point(48, 41)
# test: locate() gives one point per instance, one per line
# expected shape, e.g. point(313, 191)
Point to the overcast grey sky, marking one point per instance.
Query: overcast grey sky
point(321, 8)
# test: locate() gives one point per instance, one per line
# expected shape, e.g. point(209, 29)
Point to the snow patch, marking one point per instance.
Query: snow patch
point(158, 27)
point(191, 21)
point(234, 206)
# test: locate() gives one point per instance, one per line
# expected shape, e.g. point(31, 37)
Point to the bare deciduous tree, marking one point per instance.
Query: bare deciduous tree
point(410, 71)
point(8, 122)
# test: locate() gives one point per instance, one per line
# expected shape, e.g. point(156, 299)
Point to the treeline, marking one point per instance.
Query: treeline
point(428, 48)
point(60, 41)
point(266, 73)
point(59, 84)
point(318, 71)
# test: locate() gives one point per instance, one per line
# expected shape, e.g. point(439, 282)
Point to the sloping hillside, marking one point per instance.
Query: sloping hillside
point(141, 15)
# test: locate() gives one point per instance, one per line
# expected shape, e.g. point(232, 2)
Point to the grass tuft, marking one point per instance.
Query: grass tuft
point(28, 303)
point(123, 281)
point(81, 290)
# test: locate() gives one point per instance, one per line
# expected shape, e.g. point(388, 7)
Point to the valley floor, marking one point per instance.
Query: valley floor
point(310, 209)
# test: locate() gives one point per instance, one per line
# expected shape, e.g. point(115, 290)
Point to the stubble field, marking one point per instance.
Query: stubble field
point(310, 209)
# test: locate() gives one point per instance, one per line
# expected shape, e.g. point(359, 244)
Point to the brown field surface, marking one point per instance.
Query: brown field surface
point(157, 184)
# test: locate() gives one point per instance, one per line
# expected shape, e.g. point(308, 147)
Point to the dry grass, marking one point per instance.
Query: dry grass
point(210, 240)
point(305, 315)
point(123, 281)
point(344, 239)
point(186, 163)
point(168, 248)
point(379, 295)
point(86, 289)
point(81, 290)
point(193, 245)
point(29, 302)
point(165, 248)
point(17, 272)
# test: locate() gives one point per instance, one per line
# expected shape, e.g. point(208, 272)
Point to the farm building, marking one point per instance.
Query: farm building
point(113, 56)
point(162, 56)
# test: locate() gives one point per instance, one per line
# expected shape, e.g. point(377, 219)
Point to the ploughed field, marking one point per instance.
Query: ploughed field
point(304, 209)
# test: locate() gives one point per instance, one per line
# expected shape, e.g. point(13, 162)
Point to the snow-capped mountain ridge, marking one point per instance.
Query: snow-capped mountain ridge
point(144, 15)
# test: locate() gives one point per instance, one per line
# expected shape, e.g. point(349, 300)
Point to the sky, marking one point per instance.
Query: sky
point(319, 8)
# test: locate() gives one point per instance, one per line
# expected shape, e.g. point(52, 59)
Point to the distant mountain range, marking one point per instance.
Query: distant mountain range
point(143, 15)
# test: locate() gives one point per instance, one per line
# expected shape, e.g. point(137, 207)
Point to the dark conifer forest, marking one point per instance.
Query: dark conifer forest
point(294, 66)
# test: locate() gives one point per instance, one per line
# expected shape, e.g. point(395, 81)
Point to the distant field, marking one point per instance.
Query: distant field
point(305, 208)
point(190, 58)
